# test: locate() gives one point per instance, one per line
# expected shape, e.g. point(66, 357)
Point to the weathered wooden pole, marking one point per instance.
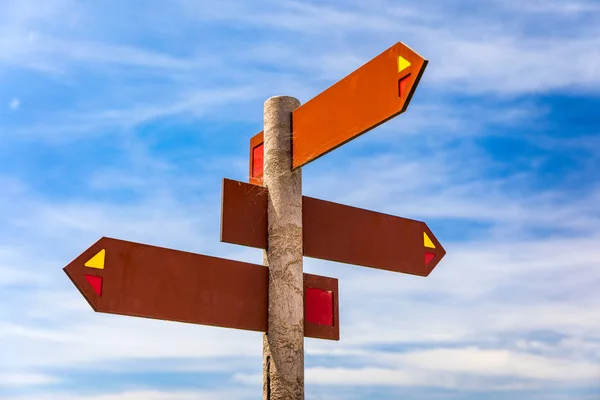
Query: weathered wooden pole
point(283, 344)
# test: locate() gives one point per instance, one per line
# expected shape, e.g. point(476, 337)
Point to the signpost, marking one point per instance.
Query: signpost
point(134, 279)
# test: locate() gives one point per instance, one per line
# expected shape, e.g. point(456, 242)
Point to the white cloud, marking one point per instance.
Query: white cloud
point(146, 395)
point(25, 379)
point(452, 368)
point(486, 58)
point(495, 363)
point(372, 376)
point(483, 58)
point(552, 6)
point(14, 104)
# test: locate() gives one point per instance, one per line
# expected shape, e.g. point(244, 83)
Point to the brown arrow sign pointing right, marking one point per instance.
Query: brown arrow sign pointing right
point(334, 232)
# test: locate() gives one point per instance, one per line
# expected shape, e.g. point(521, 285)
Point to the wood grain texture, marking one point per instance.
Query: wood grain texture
point(285, 338)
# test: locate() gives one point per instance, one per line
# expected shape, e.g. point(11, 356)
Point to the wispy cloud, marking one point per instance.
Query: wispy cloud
point(25, 379)
point(14, 104)
point(150, 395)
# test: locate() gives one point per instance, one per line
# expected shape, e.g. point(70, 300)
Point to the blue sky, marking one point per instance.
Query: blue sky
point(121, 119)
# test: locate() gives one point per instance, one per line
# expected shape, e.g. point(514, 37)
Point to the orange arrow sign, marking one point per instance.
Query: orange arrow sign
point(379, 90)
point(334, 232)
point(376, 92)
point(126, 278)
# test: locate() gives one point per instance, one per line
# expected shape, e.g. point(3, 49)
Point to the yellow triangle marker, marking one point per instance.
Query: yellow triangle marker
point(427, 241)
point(97, 261)
point(403, 63)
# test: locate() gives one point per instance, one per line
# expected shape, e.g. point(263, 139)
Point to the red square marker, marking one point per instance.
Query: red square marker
point(429, 257)
point(257, 161)
point(402, 83)
point(319, 306)
point(95, 282)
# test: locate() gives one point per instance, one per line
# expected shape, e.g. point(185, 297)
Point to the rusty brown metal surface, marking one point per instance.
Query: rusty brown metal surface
point(256, 168)
point(333, 232)
point(244, 214)
point(366, 98)
point(155, 282)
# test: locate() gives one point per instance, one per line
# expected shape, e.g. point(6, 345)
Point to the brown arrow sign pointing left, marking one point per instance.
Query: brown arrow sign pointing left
point(126, 278)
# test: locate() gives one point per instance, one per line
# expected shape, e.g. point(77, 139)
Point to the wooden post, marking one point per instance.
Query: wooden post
point(283, 344)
